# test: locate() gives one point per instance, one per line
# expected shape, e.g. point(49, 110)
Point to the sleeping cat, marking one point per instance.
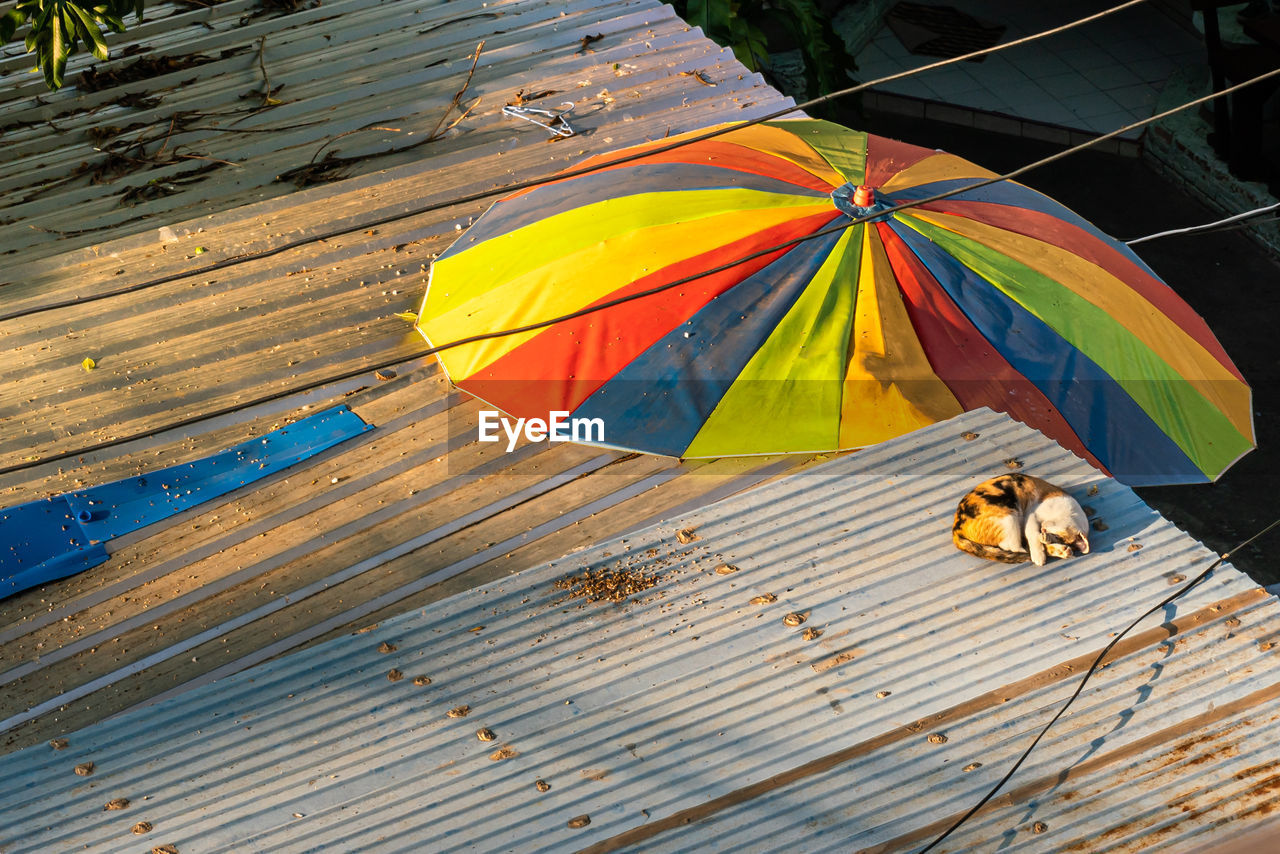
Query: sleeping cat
point(1000, 515)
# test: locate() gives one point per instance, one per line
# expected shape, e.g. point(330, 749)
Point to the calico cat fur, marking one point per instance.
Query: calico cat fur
point(1015, 517)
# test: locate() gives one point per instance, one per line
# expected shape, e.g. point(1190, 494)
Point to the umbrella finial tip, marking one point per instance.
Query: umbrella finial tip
point(863, 196)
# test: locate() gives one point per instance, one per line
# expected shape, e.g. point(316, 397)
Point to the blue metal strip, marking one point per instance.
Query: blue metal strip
point(42, 541)
point(45, 540)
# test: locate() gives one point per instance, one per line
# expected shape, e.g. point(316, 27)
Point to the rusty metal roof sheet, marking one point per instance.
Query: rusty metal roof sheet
point(693, 717)
point(406, 513)
point(178, 125)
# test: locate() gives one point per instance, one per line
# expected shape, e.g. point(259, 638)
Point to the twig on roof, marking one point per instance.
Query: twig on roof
point(267, 100)
point(332, 140)
point(457, 97)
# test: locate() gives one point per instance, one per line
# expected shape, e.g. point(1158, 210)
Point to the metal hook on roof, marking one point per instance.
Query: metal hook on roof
point(556, 124)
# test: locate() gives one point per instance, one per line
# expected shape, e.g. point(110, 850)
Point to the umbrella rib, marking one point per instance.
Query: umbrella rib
point(559, 176)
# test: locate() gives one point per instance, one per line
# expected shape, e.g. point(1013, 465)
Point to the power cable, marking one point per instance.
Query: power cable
point(1079, 688)
point(501, 333)
point(1191, 229)
point(559, 176)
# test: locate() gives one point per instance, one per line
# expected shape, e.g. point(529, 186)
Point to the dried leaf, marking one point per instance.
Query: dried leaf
point(411, 316)
point(88, 364)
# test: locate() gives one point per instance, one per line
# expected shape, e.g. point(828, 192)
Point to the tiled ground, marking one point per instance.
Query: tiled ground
point(1096, 78)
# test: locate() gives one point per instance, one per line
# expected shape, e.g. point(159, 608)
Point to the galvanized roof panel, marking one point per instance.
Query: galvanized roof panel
point(411, 511)
point(692, 718)
point(367, 82)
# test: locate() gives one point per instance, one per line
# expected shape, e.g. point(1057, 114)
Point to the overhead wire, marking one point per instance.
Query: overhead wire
point(559, 176)
point(1208, 226)
point(1097, 662)
point(501, 333)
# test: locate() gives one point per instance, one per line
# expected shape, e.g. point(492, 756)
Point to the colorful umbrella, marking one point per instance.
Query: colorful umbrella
point(996, 296)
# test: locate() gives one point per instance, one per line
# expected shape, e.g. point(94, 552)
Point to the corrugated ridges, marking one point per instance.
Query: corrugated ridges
point(302, 557)
point(636, 713)
point(360, 79)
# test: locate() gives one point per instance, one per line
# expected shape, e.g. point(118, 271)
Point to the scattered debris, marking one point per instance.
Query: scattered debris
point(811, 633)
point(686, 536)
point(435, 27)
point(972, 766)
point(142, 827)
point(1088, 511)
point(88, 364)
point(1013, 463)
point(93, 80)
point(542, 785)
point(117, 804)
point(607, 585)
point(167, 848)
point(333, 168)
point(137, 101)
point(386, 373)
point(1133, 547)
point(386, 647)
point(699, 76)
point(968, 435)
point(520, 98)
point(59, 743)
point(880, 695)
point(726, 569)
point(793, 619)
point(84, 769)
point(1093, 490)
point(579, 821)
point(587, 41)
point(459, 711)
point(1039, 827)
point(763, 599)
point(1177, 579)
point(1099, 525)
point(421, 680)
point(394, 675)
point(485, 734)
point(937, 738)
point(506, 752)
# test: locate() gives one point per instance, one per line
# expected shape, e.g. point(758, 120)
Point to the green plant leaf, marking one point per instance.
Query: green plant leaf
point(90, 32)
point(56, 50)
point(9, 24)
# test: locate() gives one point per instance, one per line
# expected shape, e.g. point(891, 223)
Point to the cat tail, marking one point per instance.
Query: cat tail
point(981, 550)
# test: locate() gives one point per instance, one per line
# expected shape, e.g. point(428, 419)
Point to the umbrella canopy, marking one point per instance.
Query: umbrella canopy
point(997, 297)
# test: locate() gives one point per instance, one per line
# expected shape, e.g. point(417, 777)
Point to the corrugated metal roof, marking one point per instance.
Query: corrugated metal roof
point(359, 80)
point(692, 718)
point(402, 515)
